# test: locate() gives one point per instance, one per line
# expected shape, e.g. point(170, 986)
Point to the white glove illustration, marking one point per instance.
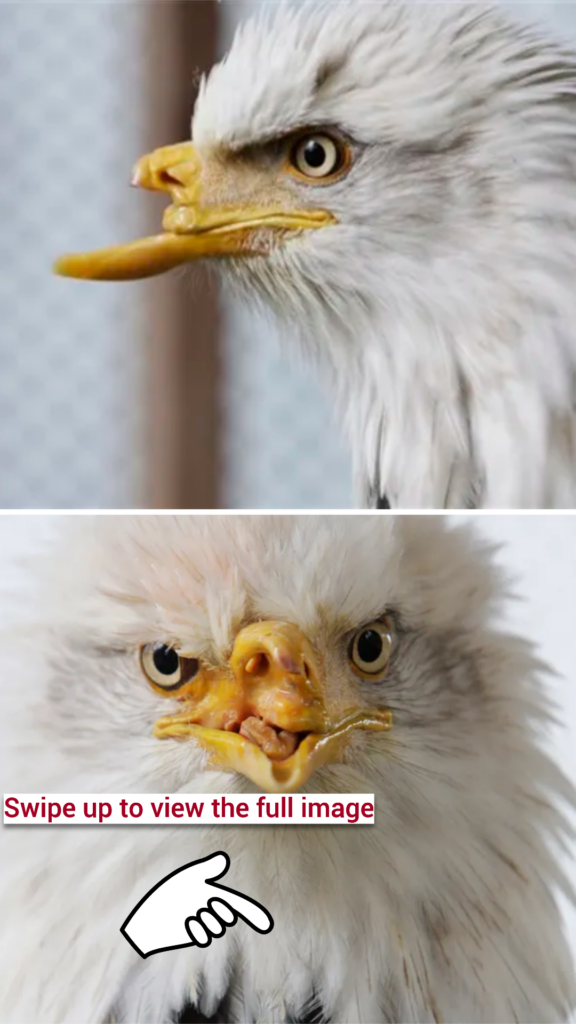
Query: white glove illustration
point(188, 908)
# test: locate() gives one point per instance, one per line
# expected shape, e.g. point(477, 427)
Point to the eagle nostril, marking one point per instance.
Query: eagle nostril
point(257, 664)
point(166, 178)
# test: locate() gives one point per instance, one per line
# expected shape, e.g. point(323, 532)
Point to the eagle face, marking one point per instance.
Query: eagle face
point(265, 715)
point(215, 654)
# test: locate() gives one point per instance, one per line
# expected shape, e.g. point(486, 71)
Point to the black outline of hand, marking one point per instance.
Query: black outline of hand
point(219, 914)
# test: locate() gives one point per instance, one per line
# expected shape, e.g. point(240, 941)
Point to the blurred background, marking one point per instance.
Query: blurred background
point(157, 394)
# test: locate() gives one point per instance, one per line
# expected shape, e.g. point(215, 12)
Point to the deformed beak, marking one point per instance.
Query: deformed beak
point(193, 228)
point(265, 716)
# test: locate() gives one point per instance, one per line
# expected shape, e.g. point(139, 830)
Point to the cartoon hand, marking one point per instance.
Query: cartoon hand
point(162, 919)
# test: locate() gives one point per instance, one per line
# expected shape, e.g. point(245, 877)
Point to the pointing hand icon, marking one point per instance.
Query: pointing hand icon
point(189, 908)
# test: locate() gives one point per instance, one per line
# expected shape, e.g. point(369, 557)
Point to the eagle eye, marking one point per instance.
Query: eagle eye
point(319, 158)
point(370, 649)
point(165, 669)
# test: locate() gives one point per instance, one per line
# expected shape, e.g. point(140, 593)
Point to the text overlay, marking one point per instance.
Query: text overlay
point(188, 809)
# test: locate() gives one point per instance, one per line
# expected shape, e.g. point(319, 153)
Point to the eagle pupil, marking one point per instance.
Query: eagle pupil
point(166, 660)
point(369, 646)
point(315, 154)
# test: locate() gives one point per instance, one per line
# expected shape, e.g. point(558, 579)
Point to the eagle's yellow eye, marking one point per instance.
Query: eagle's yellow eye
point(370, 649)
point(165, 669)
point(319, 158)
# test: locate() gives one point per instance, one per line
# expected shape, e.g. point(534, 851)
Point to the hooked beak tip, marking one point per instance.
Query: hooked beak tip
point(137, 176)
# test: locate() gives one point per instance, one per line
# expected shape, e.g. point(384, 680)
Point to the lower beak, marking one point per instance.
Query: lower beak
point(265, 716)
point(192, 229)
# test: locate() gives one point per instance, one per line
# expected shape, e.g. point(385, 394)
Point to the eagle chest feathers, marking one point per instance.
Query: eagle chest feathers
point(444, 909)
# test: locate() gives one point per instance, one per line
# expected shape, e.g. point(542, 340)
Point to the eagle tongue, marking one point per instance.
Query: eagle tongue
point(277, 744)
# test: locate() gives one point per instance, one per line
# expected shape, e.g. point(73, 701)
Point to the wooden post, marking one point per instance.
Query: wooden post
point(181, 386)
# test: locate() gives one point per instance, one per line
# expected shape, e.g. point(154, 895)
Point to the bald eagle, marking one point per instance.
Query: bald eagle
point(397, 181)
point(230, 654)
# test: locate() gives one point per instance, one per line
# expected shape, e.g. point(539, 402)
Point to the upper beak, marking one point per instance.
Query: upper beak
point(192, 227)
point(265, 715)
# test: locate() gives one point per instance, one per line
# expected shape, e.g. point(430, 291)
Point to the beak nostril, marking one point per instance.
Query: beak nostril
point(258, 663)
point(167, 178)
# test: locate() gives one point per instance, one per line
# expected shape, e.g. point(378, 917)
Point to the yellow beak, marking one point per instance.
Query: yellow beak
point(192, 228)
point(265, 716)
